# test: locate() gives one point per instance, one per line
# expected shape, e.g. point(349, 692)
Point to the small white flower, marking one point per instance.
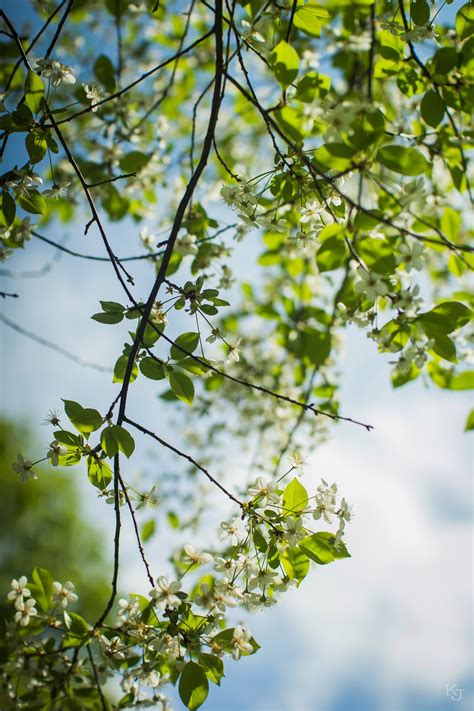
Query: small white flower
point(58, 191)
point(164, 593)
point(56, 450)
point(311, 212)
point(128, 609)
point(325, 501)
point(234, 351)
point(22, 615)
point(195, 557)
point(23, 467)
point(240, 642)
point(56, 71)
point(19, 591)
point(297, 461)
point(157, 315)
point(64, 593)
point(410, 256)
point(294, 530)
point(235, 530)
point(266, 491)
point(370, 285)
point(94, 95)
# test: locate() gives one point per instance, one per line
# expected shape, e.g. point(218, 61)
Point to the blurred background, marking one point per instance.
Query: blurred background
point(389, 629)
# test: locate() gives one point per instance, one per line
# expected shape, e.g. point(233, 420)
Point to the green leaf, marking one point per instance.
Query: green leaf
point(465, 21)
point(134, 161)
point(105, 72)
point(34, 91)
point(450, 380)
point(469, 422)
point(295, 563)
point(86, 420)
point(451, 223)
point(78, 631)
point(285, 62)
point(432, 108)
point(182, 386)
point(295, 497)
point(112, 307)
point(108, 442)
point(108, 317)
point(69, 438)
point(445, 347)
point(309, 18)
point(33, 202)
point(152, 369)
point(120, 368)
point(8, 208)
point(189, 341)
point(444, 318)
point(315, 345)
point(124, 439)
point(407, 161)
point(36, 147)
point(148, 529)
point(42, 588)
point(114, 438)
point(420, 12)
point(193, 686)
point(320, 548)
point(99, 472)
point(332, 254)
point(213, 666)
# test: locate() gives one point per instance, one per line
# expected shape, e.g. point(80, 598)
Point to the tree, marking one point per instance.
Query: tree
point(336, 132)
point(32, 518)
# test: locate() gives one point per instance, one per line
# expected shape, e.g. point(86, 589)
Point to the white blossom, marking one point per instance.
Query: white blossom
point(19, 591)
point(235, 530)
point(23, 467)
point(64, 593)
point(240, 642)
point(94, 95)
point(164, 593)
point(56, 450)
point(266, 491)
point(193, 556)
point(23, 614)
point(56, 71)
point(370, 284)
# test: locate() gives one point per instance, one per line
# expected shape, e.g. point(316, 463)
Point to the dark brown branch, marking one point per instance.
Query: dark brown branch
point(33, 42)
point(134, 83)
point(185, 456)
point(137, 533)
point(118, 525)
point(103, 703)
point(290, 22)
point(248, 384)
point(182, 207)
point(59, 28)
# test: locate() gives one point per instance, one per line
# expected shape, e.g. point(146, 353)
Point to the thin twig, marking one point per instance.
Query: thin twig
point(190, 459)
point(53, 346)
point(103, 702)
point(118, 525)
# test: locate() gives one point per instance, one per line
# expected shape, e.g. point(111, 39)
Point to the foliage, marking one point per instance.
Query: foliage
point(46, 524)
point(336, 133)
